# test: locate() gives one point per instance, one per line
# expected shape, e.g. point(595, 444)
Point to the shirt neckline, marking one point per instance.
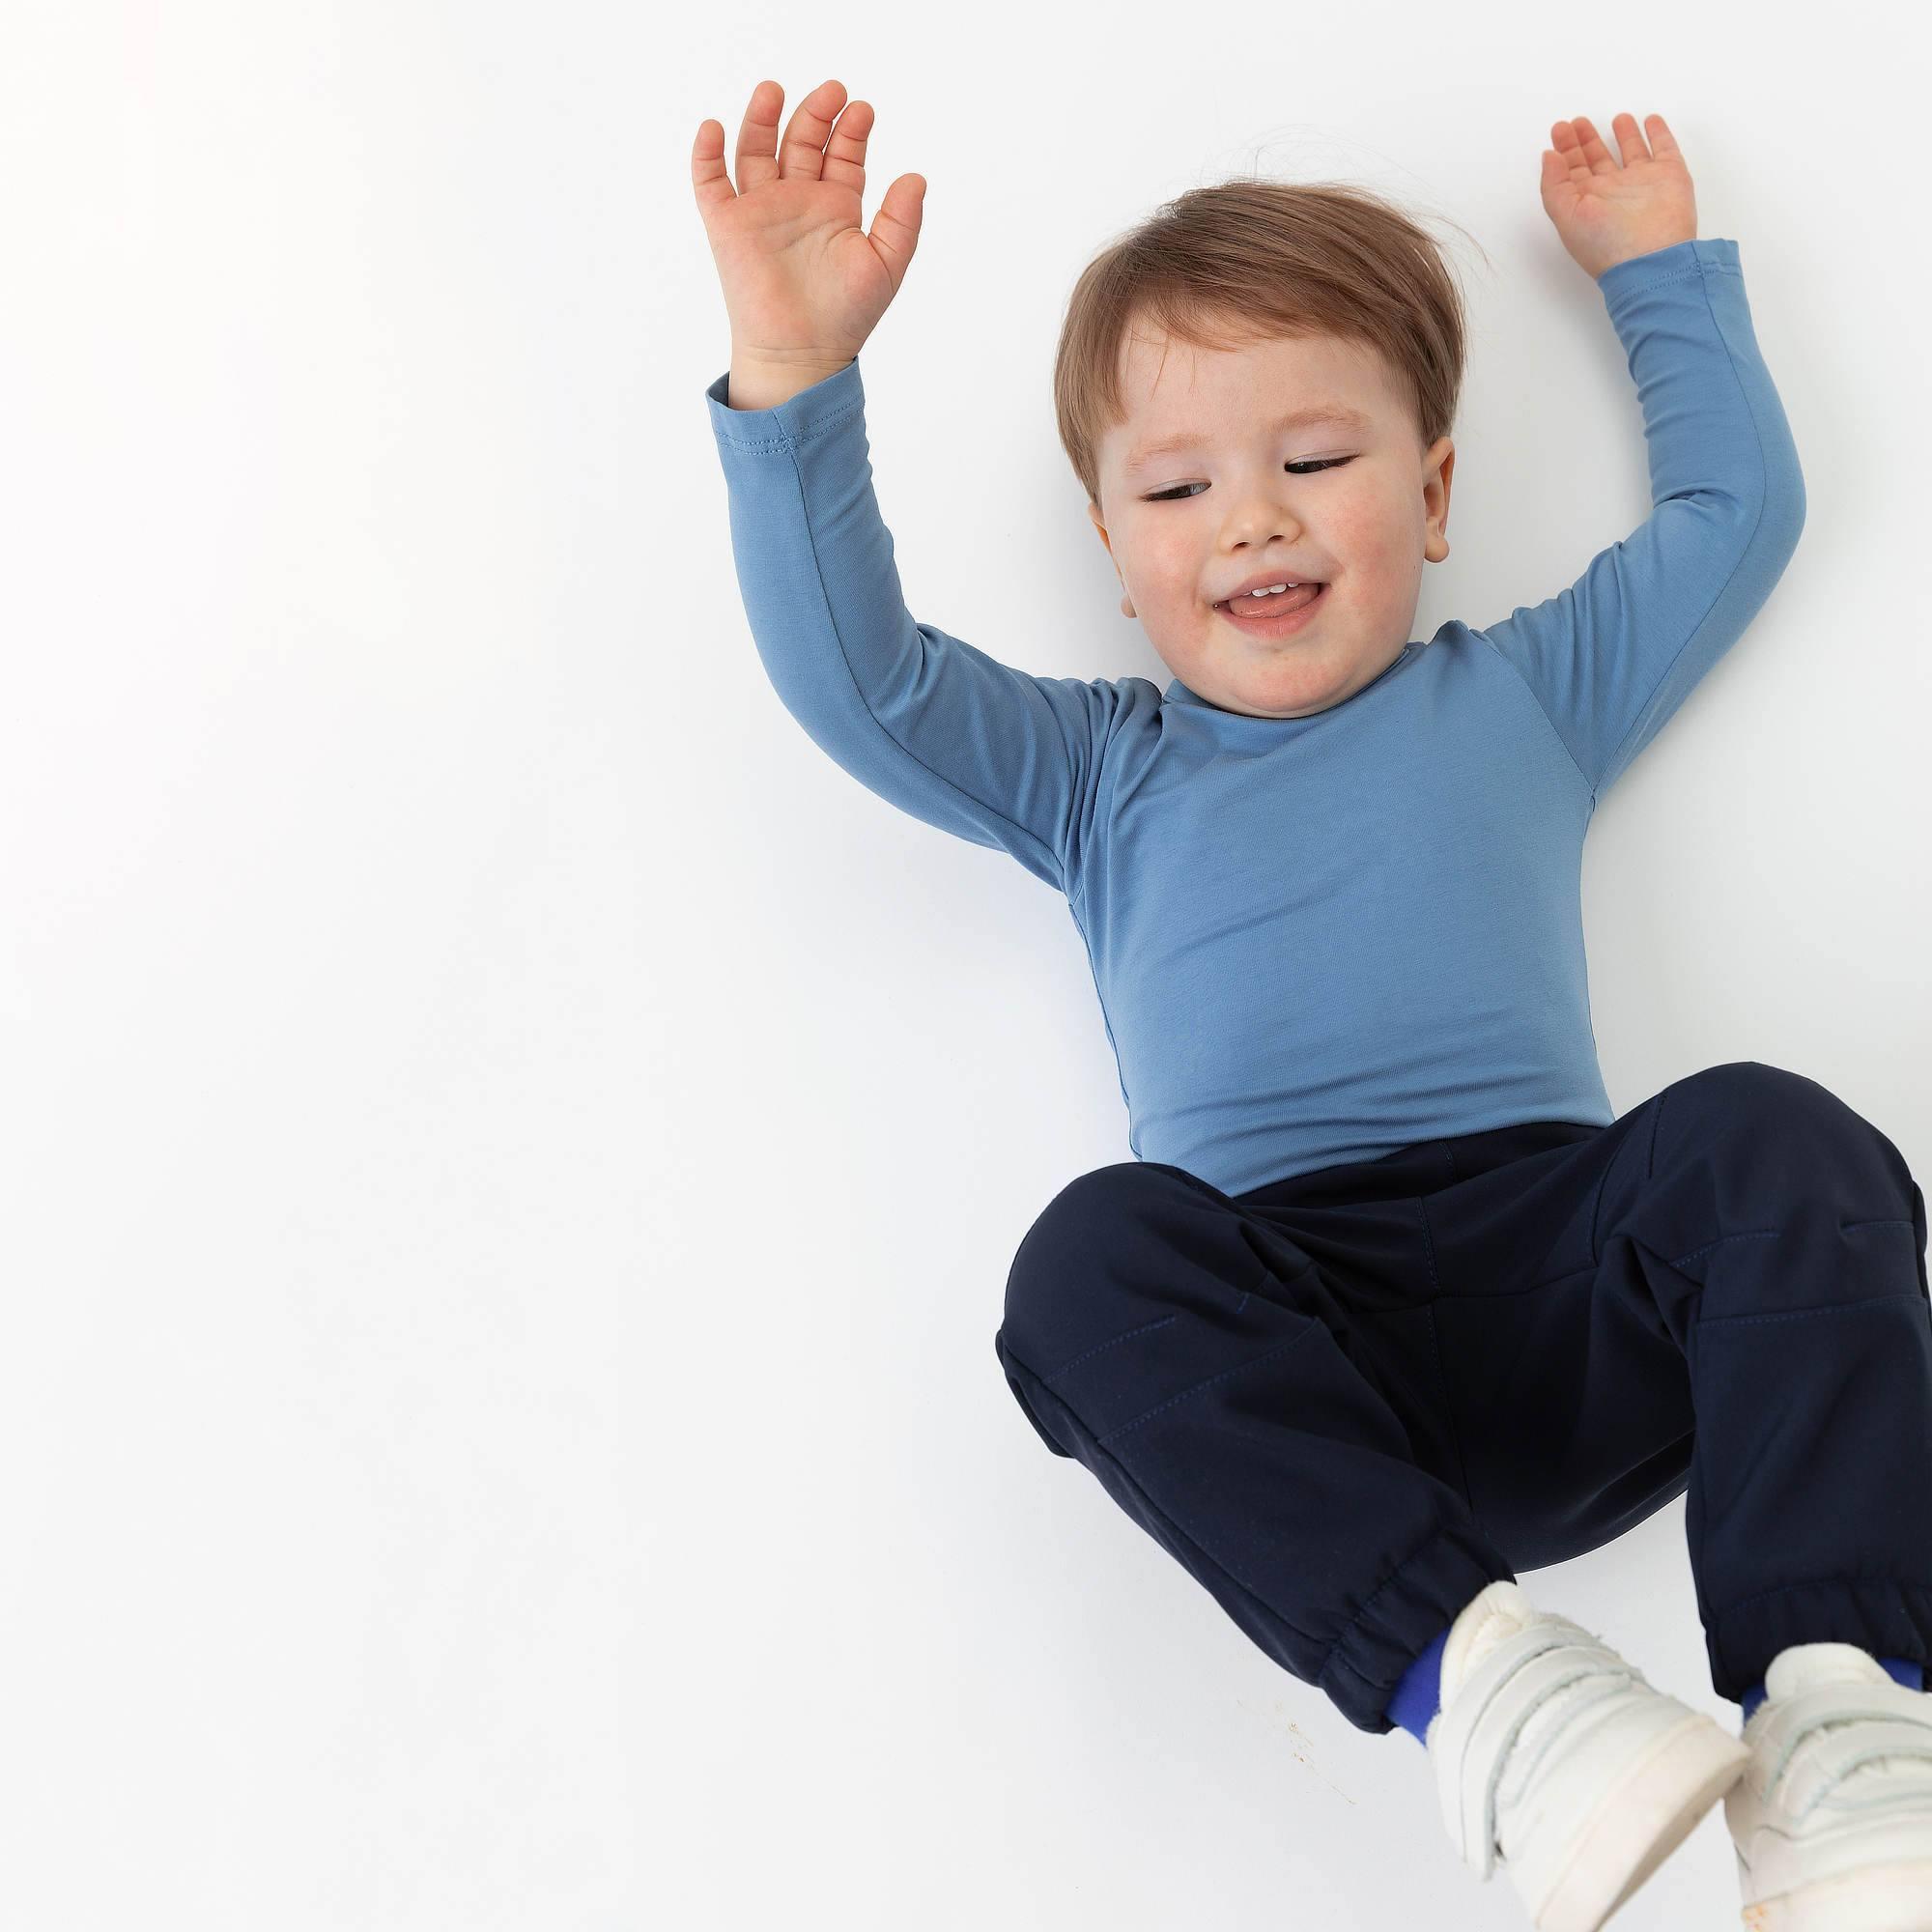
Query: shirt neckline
point(1177, 692)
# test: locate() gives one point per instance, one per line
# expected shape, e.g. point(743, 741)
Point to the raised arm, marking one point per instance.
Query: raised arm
point(1612, 658)
point(942, 731)
point(947, 733)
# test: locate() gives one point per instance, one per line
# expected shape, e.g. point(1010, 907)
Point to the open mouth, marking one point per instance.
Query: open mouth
point(1275, 614)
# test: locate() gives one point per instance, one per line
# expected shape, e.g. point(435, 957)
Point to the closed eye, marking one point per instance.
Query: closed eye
point(1294, 469)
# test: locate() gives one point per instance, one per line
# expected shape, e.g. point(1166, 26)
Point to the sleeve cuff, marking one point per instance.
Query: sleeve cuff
point(800, 416)
point(1660, 265)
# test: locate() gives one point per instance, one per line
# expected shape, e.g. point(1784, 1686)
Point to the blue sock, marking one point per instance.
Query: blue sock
point(1902, 1669)
point(1418, 1692)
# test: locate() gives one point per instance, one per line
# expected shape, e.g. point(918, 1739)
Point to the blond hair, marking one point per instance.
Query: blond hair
point(1247, 260)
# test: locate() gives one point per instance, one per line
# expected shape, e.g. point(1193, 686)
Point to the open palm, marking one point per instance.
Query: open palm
point(801, 278)
point(1606, 209)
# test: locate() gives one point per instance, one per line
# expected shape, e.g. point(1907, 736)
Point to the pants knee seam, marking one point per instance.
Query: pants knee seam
point(1253, 1361)
point(1112, 1341)
point(1805, 1314)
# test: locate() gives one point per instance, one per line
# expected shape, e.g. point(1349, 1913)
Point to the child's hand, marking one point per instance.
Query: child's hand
point(1607, 213)
point(804, 284)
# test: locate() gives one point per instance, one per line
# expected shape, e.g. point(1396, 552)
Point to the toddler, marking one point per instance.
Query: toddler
point(1389, 1304)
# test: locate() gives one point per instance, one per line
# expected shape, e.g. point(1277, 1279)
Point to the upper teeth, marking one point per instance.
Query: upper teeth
point(1269, 590)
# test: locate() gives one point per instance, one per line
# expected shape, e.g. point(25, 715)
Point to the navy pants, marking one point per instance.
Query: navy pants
point(1348, 1401)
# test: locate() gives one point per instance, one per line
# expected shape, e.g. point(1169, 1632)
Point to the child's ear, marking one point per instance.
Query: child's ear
point(1094, 511)
point(1438, 466)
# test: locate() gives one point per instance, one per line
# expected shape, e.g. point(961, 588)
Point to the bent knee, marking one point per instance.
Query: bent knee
point(1065, 1279)
point(1029, 1392)
point(1756, 1098)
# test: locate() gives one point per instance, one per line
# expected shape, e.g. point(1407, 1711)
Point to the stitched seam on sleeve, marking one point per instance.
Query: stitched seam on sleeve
point(1502, 658)
point(1106, 777)
point(1675, 275)
point(784, 441)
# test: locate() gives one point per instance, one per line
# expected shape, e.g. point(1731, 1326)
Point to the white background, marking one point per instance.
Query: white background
point(514, 1157)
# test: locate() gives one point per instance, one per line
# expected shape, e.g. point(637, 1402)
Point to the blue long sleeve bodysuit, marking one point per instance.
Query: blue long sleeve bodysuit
point(1314, 939)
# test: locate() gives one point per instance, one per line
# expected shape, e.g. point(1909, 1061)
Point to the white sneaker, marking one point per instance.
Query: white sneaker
point(1557, 1758)
point(1833, 1819)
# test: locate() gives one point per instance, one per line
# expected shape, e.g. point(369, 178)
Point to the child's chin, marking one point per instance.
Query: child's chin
point(1279, 697)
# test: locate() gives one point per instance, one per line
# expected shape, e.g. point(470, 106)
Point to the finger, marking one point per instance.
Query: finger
point(708, 179)
point(895, 230)
point(1662, 142)
point(1629, 139)
point(1569, 146)
point(759, 137)
point(1596, 156)
point(846, 151)
point(802, 153)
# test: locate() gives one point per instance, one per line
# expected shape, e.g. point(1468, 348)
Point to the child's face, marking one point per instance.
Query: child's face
point(1233, 509)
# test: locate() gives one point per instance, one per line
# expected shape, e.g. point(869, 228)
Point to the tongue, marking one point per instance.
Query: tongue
point(1274, 602)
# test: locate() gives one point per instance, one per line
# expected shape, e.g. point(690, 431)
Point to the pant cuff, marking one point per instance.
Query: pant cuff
point(1885, 1615)
point(1401, 1618)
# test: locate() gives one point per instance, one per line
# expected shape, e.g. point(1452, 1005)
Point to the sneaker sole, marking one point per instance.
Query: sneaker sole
point(1640, 1821)
point(1883, 1898)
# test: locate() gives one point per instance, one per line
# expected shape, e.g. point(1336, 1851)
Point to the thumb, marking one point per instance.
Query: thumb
point(896, 225)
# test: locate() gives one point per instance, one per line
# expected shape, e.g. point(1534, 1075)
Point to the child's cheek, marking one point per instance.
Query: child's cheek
point(1363, 529)
point(1377, 540)
point(1173, 564)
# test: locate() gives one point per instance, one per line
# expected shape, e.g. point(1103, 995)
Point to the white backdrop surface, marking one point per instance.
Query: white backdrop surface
point(514, 1157)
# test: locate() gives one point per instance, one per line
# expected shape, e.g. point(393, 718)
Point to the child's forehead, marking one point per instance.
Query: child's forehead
point(1159, 368)
point(1174, 391)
